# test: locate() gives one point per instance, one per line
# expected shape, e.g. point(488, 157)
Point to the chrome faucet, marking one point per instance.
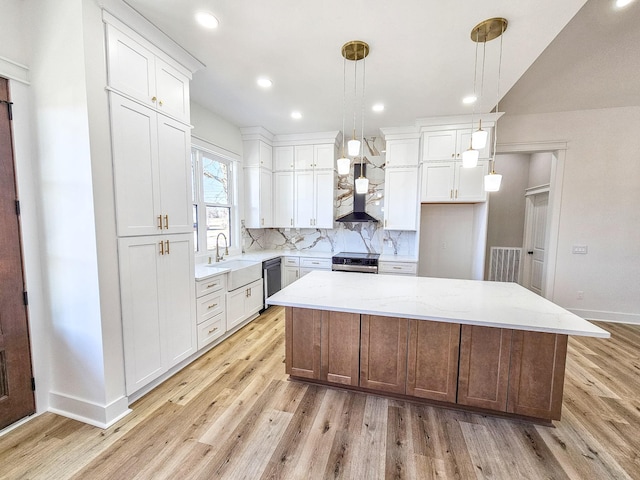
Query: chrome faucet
point(226, 247)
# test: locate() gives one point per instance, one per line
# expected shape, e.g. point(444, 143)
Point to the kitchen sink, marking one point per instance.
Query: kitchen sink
point(241, 272)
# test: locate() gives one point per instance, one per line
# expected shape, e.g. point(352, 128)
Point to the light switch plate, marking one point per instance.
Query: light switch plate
point(579, 249)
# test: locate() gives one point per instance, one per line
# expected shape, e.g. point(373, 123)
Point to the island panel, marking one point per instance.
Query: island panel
point(340, 348)
point(302, 339)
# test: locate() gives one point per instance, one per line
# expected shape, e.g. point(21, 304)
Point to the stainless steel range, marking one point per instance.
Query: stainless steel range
point(355, 262)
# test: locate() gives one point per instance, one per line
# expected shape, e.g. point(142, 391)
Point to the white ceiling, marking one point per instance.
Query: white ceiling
point(420, 65)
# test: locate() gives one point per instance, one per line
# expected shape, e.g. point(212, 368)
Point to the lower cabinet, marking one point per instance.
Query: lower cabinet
point(432, 360)
point(210, 310)
point(340, 348)
point(243, 302)
point(302, 340)
point(383, 353)
point(158, 306)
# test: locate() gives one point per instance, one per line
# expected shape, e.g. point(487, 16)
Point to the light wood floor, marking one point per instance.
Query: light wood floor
point(233, 414)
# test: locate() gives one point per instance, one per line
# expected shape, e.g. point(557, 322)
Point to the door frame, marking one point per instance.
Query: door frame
point(529, 196)
point(558, 155)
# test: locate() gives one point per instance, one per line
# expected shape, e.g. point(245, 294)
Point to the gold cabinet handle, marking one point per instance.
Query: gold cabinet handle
point(297, 273)
point(453, 155)
point(292, 222)
point(166, 222)
point(154, 99)
point(397, 268)
point(213, 330)
point(160, 222)
point(161, 248)
point(456, 193)
point(451, 193)
point(213, 305)
point(160, 103)
point(211, 285)
point(385, 222)
point(167, 247)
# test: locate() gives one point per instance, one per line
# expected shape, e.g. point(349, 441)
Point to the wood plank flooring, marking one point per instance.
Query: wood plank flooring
point(233, 414)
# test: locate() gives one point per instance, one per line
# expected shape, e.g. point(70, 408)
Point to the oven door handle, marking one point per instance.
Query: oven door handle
point(355, 268)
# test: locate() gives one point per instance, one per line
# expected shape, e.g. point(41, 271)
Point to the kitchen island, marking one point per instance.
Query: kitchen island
point(486, 346)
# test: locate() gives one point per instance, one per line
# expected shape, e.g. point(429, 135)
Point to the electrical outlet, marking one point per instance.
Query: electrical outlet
point(580, 295)
point(579, 249)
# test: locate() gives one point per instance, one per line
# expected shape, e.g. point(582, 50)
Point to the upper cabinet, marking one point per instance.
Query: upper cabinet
point(401, 198)
point(449, 144)
point(257, 153)
point(139, 73)
point(403, 152)
point(283, 159)
point(451, 182)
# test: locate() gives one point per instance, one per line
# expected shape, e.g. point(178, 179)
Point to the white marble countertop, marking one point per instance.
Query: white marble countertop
point(472, 302)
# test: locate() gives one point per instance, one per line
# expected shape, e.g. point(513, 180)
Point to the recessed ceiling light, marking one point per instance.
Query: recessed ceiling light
point(207, 20)
point(297, 115)
point(264, 82)
point(470, 99)
point(623, 3)
point(378, 107)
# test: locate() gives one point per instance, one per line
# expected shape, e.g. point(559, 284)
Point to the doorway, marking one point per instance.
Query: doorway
point(535, 239)
point(16, 391)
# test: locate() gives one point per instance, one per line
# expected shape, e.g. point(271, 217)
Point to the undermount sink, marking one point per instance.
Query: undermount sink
point(242, 272)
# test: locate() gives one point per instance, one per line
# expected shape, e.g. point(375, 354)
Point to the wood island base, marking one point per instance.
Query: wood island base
point(505, 372)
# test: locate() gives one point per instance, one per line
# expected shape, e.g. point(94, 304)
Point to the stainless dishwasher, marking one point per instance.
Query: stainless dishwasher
point(271, 278)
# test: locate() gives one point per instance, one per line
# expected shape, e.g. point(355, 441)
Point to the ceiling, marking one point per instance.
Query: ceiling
point(421, 62)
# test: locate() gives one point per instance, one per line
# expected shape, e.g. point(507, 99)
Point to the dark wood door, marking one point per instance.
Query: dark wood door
point(340, 348)
point(536, 377)
point(302, 342)
point(432, 369)
point(383, 353)
point(484, 367)
point(16, 394)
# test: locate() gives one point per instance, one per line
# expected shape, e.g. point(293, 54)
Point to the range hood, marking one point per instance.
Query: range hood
point(359, 201)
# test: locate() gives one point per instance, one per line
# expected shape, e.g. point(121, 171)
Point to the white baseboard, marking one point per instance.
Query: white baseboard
point(101, 416)
point(602, 316)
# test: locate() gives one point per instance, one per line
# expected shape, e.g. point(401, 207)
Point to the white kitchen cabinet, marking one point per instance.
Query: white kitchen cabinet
point(402, 152)
point(283, 158)
point(257, 153)
point(211, 313)
point(401, 198)
point(451, 182)
point(152, 170)
point(137, 71)
point(324, 156)
point(283, 199)
point(309, 264)
point(398, 268)
point(450, 144)
point(243, 303)
point(258, 197)
point(290, 270)
point(303, 157)
point(313, 196)
point(158, 305)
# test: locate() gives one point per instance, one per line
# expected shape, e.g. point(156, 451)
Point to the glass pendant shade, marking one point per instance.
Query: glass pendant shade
point(492, 182)
point(362, 185)
point(344, 165)
point(470, 158)
point(479, 139)
point(353, 148)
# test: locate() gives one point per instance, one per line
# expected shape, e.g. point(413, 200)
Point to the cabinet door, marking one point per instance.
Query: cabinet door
point(172, 91)
point(141, 323)
point(383, 353)
point(324, 156)
point(255, 298)
point(469, 183)
point(302, 342)
point(439, 145)
point(432, 370)
point(283, 158)
point(402, 153)
point(304, 201)
point(303, 157)
point(536, 375)
point(340, 348)
point(134, 134)
point(290, 275)
point(236, 307)
point(266, 199)
point(266, 156)
point(401, 198)
point(437, 182)
point(177, 300)
point(323, 196)
point(174, 146)
point(484, 367)
point(131, 67)
point(283, 199)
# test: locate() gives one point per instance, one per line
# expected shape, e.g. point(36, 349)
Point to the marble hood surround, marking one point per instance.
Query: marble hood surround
point(359, 200)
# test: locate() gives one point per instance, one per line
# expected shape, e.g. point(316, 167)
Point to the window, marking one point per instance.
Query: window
point(212, 198)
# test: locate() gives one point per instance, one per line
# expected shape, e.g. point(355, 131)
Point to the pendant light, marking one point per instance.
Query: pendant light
point(470, 155)
point(479, 137)
point(354, 51)
point(486, 31)
point(344, 164)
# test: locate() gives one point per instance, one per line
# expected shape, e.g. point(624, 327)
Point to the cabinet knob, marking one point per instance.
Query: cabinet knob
point(154, 99)
point(160, 103)
point(453, 155)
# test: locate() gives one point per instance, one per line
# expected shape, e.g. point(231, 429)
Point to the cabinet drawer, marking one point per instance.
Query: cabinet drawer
point(291, 261)
point(209, 305)
point(398, 268)
point(204, 287)
point(211, 329)
point(316, 263)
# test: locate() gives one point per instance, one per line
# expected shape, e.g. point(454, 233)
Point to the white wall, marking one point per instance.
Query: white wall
point(215, 130)
point(13, 41)
point(599, 206)
point(539, 169)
